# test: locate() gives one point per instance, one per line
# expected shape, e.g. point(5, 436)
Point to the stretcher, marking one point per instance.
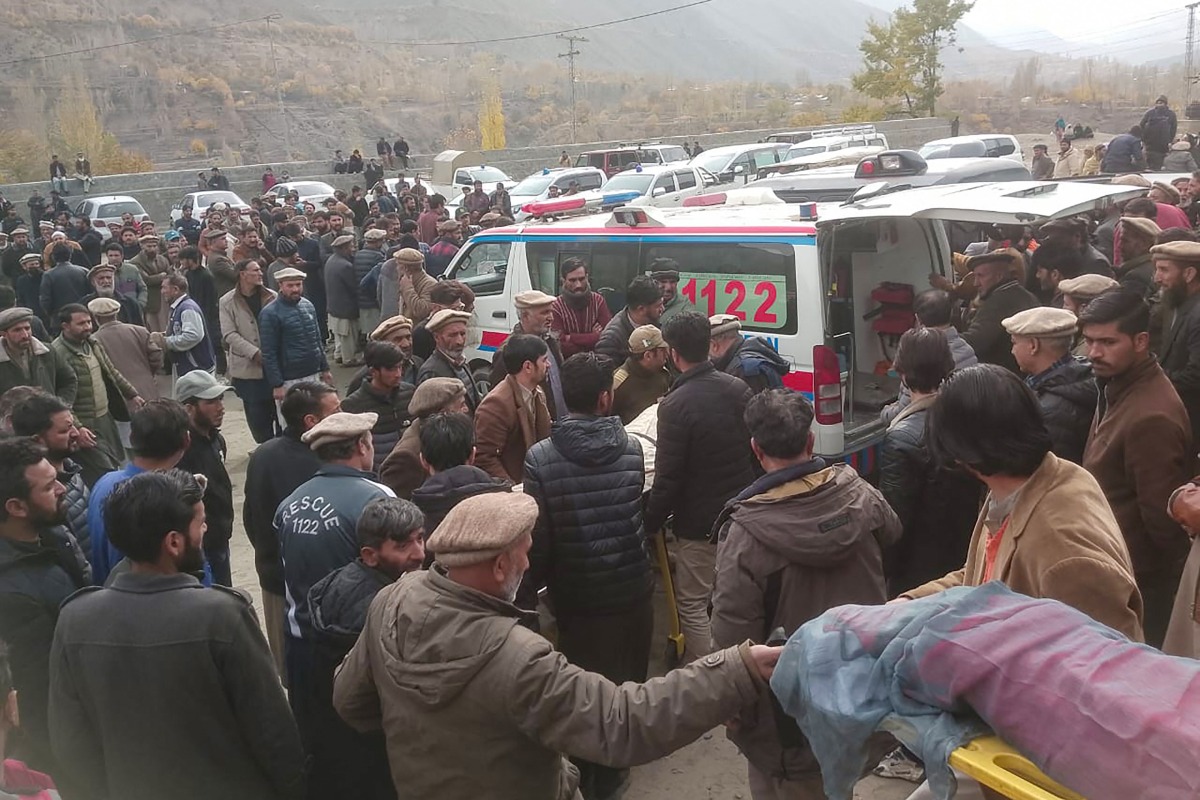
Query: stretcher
point(1005, 773)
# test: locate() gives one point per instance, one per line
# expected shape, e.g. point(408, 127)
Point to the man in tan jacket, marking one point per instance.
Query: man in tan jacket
point(1045, 529)
point(443, 652)
point(514, 416)
point(1139, 447)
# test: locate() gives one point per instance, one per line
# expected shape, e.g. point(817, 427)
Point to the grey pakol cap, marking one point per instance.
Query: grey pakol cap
point(199, 384)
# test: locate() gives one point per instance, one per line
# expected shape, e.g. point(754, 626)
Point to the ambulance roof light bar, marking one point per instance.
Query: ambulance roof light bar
point(559, 205)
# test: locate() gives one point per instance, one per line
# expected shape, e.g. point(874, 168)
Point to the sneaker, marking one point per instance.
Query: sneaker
point(900, 764)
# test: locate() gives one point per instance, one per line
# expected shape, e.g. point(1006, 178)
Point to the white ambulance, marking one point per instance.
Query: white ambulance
point(830, 286)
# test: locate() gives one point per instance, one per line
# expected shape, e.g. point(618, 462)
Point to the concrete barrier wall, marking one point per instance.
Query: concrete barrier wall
point(158, 191)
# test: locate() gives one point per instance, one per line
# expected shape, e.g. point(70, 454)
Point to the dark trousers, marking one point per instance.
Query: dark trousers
point(218, 564)
point(259, 405)
point(616, 645)
point(1158, 590)
point(299, 657)
point(314, 290)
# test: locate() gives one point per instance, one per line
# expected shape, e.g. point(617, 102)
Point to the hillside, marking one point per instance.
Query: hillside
point(190, 92)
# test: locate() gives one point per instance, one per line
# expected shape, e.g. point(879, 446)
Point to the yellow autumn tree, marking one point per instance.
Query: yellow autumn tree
point(79, 129)
point(491, 119)
point(23, 157)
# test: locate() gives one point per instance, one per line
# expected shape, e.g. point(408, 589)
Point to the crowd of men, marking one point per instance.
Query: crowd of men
point(411, 531)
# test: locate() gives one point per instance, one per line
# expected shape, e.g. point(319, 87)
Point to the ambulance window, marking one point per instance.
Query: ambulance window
point(611, 266)
point(756, 282)
point(483, 267)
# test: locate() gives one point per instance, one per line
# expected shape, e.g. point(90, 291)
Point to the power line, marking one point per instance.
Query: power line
point(525, 36)
point(159, 37)
point(570, 56)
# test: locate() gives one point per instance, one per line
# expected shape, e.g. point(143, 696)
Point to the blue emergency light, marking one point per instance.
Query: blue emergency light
point(617, 198)
point(808, 212)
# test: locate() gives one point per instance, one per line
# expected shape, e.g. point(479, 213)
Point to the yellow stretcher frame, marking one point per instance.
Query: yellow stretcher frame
point(1006, 772)
point(675, 641)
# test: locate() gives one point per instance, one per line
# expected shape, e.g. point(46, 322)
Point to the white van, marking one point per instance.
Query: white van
point(804, 284)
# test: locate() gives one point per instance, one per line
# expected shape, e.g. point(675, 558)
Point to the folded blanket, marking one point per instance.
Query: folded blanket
point(1111, 719)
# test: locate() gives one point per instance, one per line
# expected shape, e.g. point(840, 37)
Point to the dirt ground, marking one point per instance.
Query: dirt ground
point(709, 769)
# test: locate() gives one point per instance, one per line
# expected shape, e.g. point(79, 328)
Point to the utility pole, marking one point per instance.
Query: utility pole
point(287, 125)
point(570, 56)
point(1189, 76)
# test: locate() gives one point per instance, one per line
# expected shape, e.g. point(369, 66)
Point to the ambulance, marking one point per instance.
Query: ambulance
point(830, 286)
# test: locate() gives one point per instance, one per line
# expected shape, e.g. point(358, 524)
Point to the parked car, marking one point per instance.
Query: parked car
point(617, 159)
point(740, 162)
point(537, 186)
point(987, 145)
point(199, 202)
point(827, 151)
point(661, 185)
point(103, 210)
point(796, 137)
point(314, 192)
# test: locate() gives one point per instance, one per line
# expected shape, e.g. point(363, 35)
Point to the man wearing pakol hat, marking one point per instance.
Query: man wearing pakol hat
point(1136, 270)
point(366, 259)
point(534, 315)
point(442, 251)
point(415, 286)
point(1064, 385)
point(462, 607)
point(449, 330)
point(104, 285)
point(643, 379)
point(341, 300)
point(64, 283)
point(1078, 292)
point(287, 254)
point(134, 351)
point(397, 330)
point(1177, 273)
point(402, 470)
point(29, 291)
point(127, 278)
point(292, 348)
point(513, 416)
point(665, 272)
point(752, 359)
point(10, 261)
point(1000, 296)
point(153, 266)
point(27, 361)
point(317, 535)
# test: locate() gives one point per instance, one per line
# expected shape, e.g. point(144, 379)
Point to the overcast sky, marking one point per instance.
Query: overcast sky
point(1073, 21)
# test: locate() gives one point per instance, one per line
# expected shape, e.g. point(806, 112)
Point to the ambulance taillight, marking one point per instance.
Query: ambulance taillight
point(827, 385)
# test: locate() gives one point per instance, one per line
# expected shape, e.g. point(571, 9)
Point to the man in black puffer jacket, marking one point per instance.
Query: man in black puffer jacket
point(448, 455)
point(753, 359)
point(589, 543)
point(1064, 385)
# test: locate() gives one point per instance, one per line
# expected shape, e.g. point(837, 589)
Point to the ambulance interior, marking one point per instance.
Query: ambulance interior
point(872, 269)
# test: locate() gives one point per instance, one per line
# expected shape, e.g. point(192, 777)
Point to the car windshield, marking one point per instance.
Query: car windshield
point(952, 150)
point(714, 164)
point(208, 198)
point(633, 181)
point(806, 150)
point(533, 185)
point(487, 174)
point(123, 207)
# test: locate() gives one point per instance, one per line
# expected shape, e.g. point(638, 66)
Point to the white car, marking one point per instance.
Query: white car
point(536, 187)
point(659, 185)
point(199, 202)
point(827, 151)
point(985, 145)
point(104, 210)
point(314, 192)
point(740, 161)
point(466, 177)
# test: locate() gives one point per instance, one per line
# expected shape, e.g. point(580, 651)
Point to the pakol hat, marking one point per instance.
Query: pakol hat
point(723, 323)
point(1170, 191)
point(338, 428)
point(11, 316)
point(213, 234)
point(342, 240)
point(1142, 225)
point(434, 394)
point(449, 226)
point(390, 326)
point(482, 527)
point(19, 231)
point(532, 299)
point(444, 317)
point(104, 307)
point(1086, 287)
point(106, 267)
point(409, 255)
point(644, 339)
point(375, 235)
point(30, 257)
point(1177, 251)
point(665, 275)
point(1041, 321)
point(289, 274)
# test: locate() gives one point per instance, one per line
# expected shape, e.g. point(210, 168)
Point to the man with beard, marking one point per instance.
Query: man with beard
point(752, 358)
point(203, 399)
point(396, 330)
point(1177, 272)
point(40, 567)
point(48, 421)
point(449, 330)
point(104, 283)
point(643, 379)
point(26, 361)
point(534, 317)
point(154, 269)
point(134, 351)
point(159, 436)
point(643, 306)
point(1000, 296)
point(127, 278)
point(231, 725)
point(580, 314)
point(1136, 270)
point(10, 261)
point(666, 275)
point(29, 292)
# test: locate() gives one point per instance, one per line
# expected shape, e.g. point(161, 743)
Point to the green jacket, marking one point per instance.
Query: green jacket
point(118, 388)
point(46, 371)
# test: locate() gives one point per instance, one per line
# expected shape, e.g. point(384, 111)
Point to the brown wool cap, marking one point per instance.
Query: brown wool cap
point(1086, 287)
point(1146, 226)
point(338, 428)
point(11, 316)
point(409, 255)
point(342, 240)
point(434, 394)
point(389, 326)
point(532, 299)
point(1041, 321)
point(1177, 251)
point(1171, 192)
point(104, 306)
point(449, 226)
point(213, 234)
point(482, 527)
point(375, 235)
point(444, 317)
point(289, 274)
point(101, 268)
point(723, 323)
